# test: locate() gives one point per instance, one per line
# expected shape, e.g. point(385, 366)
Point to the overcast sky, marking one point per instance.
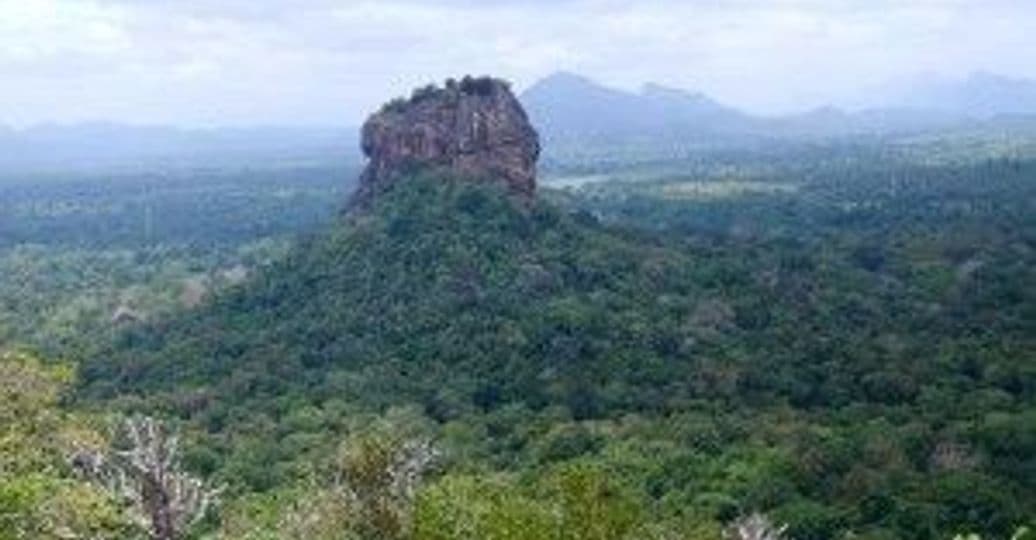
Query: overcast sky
point(212, 62)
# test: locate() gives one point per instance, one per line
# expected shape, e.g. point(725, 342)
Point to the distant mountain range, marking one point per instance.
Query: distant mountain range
point(566, 104)
point(577, 118)
point(572, 111)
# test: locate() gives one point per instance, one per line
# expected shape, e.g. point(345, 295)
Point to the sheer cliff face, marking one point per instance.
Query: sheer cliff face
point(475, 129)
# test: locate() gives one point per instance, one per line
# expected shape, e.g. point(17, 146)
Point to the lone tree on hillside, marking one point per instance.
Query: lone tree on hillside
point(163, 498)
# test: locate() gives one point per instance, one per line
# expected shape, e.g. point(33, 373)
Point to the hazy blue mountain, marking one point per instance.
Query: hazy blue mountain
point(982, 95)
point(104, 146)
point(566, 105)
point(581, 121)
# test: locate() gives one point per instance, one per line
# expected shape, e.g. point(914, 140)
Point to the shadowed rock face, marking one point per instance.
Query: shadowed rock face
point(473, 129)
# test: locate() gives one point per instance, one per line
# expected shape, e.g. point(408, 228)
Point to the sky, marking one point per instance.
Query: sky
point(324, 62)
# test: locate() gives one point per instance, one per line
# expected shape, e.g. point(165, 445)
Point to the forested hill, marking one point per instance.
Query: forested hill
point(446, 294)
point(850, 380)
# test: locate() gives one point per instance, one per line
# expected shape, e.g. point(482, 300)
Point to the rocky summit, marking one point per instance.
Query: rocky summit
point(474, 129)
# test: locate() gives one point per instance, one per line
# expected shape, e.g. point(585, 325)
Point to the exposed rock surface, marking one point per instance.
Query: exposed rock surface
point(474, 129)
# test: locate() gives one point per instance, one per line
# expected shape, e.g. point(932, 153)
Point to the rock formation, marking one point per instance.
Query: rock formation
point(474, 129)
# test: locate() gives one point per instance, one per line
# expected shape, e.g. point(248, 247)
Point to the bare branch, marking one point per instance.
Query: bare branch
point(164, 499)
point(755, 526)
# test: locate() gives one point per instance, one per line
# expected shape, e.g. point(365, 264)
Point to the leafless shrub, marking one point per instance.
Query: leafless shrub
point(163, 499)
point(754, 526)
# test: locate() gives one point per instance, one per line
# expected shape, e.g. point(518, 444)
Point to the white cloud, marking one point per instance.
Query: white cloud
point(43, 30)
point(254, 61)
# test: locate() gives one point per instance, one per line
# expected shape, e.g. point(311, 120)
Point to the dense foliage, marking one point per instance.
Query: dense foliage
point(40, 497)
point(842, 337)
point(74, 250)
point(853, 353)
